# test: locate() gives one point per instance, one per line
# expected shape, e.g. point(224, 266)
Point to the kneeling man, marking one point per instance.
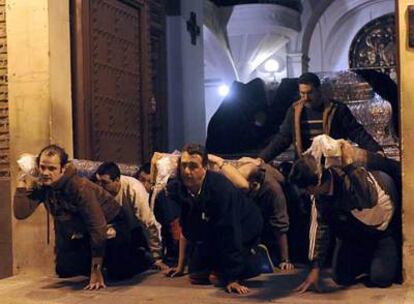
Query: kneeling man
point(359, 207)
point(133, 197)
point(91, 230)
point(221, 223)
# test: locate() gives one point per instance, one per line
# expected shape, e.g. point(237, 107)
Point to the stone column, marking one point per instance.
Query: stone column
point(296, 64)
point(406, 92)
point(40, 107)
point(186, 120)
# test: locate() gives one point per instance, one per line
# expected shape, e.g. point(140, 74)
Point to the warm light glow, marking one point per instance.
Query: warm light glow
point(223, 90)
point(271, 65)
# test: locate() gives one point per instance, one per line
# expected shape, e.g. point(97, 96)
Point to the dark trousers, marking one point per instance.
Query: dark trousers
point(377, 258)
point(204, 259)
point(364, 250)
point(167, 213)
point(203, 262)
point(271, 200)
point(125, 255)
point(166, 209)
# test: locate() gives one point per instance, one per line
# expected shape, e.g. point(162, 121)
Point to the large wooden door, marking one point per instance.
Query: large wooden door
point(111, 79)
point(158, 105)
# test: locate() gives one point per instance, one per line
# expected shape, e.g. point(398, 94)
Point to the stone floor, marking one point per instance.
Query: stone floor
point(153, 287)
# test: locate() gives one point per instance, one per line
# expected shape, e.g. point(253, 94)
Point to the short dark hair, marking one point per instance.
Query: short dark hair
point(304, 172)
point(310, 79)
point(110, 168)
point(54, 150)
point(196, 149)
point(145, 168)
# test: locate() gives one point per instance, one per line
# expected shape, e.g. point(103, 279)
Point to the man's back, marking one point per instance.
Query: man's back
point(134, 196)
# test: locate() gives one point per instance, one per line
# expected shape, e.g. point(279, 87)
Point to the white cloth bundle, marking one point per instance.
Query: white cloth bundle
point(166, 166)
point(28, 164)
point(326, 146)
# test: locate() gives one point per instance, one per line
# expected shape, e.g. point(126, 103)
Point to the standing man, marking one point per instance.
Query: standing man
point(223, 226)
point(91, 229)
point(312, 115)
point(358, 206)
point(133, 197)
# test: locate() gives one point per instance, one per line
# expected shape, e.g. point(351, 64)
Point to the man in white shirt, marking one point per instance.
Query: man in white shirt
point(358, 206)
point(133, 197)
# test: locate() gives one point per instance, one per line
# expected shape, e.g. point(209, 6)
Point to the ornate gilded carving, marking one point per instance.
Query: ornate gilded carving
point(374, 46)
point(372, 111)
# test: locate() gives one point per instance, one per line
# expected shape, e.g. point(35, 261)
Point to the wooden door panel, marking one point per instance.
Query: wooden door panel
point(111, 79)
point(158, 109)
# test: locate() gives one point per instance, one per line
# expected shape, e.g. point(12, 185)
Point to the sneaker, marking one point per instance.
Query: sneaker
point(266, 263)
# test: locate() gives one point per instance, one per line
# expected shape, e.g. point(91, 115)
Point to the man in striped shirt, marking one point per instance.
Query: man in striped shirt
point(312, 115)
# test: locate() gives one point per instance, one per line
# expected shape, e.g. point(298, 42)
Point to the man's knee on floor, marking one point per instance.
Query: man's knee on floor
point(121, 274)
point(70, 265)
point(64, 271)
point(381, 279)
point(200, 278)
point(342, 279)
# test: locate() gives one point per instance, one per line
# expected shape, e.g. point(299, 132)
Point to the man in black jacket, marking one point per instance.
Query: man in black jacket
point(223, 226)
point(261, 185)
point(358, 206)
point(91, 230)
point(312, 115)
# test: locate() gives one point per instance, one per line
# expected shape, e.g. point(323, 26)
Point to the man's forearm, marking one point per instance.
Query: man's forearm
point(96, 264)
point(234, 176)
point(182, 252)
point(23, 206)
point(274, 148)
point(268, 152)
point(283, 247)
point(154, 241)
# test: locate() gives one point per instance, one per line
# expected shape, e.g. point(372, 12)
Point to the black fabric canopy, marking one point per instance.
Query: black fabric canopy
point(246, 119)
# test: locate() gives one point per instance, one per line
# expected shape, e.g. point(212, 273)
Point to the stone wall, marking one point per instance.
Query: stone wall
point(40, 113)
point(406, 90)
point(186, 110)
point(5, 232)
